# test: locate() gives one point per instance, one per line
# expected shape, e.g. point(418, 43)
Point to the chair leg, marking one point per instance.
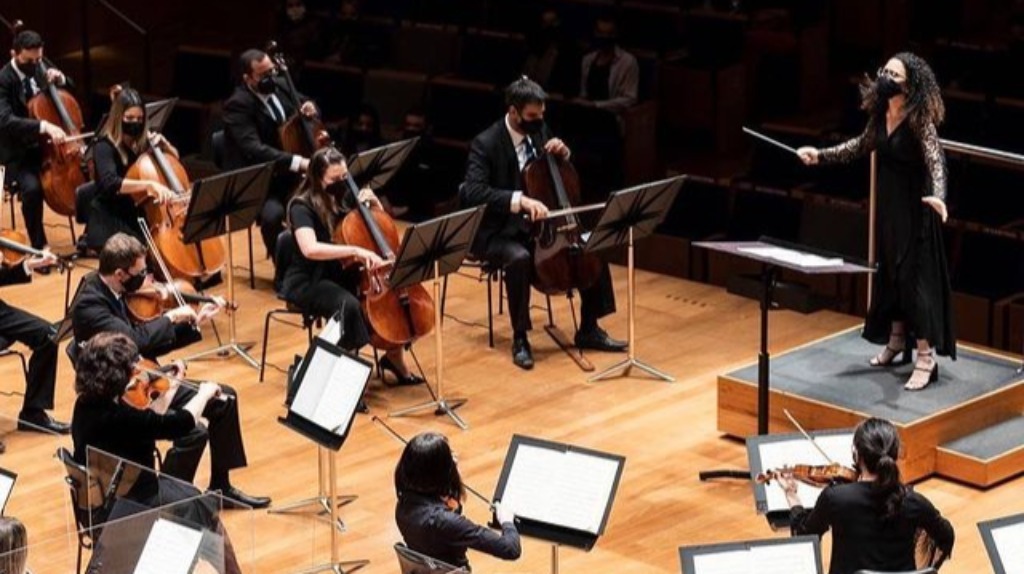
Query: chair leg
point(490, 312)
point(252, 266)
point(551, 316)
point(500, 274)
point(24, 365)
point(266, 335)
point(71, 227)
point(78, 569)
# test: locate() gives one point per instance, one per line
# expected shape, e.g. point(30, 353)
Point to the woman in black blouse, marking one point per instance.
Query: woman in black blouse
point(122, 139)
point(877, 521)
point(315, 279)
point(429, 510)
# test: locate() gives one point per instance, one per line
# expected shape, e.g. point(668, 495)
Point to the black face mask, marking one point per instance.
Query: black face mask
point(132, 129)
point(336, 189)
point(887, 88)
point(531, 127)
point(29, 69)
point(266, 85)
point(134, 282)
point(603, 43)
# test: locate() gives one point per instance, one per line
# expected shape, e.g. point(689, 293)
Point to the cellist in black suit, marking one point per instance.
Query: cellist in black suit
point(493, 178)
point(253, 116)
point(20, 80)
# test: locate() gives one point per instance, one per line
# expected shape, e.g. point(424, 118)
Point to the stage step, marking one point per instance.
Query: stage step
point(986, 457)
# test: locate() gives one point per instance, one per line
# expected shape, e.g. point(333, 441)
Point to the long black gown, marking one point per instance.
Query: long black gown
point(912, 280)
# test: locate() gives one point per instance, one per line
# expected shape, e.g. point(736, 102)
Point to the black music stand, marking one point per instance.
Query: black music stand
point(374, 168)
point(632, 214)
point(220, 205)
point(826, 263)
point(158, 112)
point(431, 250)
point(327, 390)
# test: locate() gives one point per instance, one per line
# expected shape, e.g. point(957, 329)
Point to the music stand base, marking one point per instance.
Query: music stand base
point(440, 407)
point(321, 505)
point(226, 352)
point(336, 567)
point(623, 369)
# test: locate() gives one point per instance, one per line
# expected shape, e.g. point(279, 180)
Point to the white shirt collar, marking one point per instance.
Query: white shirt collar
point(17, 70)
point(517, 138)
point(111, 289)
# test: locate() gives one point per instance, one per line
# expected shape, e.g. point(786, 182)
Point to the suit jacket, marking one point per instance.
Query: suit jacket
point(19, 134)
point(13, 275)
point(97, 310)
point(492, 176)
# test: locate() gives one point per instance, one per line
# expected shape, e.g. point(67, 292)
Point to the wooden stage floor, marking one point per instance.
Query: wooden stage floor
point(667, 432)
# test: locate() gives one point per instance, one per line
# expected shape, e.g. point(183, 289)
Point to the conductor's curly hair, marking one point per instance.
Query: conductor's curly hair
point(105, 365)
point(924, 97)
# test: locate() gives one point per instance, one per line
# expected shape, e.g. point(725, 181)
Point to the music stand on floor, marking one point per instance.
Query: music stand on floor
point(220, 205)
point(629, 215)
point(431, 250)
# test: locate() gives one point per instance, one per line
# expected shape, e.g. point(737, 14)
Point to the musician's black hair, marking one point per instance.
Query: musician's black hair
point(248, 59)
point(524, 91)
point(27, 40)
point(427, 467)
point(104, 366)
point(877, 446)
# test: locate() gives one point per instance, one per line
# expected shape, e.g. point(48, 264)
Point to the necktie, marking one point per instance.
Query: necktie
point(275, 109)
point(531, 153)
point(29, 92)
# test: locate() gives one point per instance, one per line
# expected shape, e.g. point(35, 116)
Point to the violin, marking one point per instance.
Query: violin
point(813, 475)
point(63, 168)
point(150, 381)
point(167, 221)
point(14, 248)
point(151, 301)
point(396, 316)
point(300, 135)
point(559, 263)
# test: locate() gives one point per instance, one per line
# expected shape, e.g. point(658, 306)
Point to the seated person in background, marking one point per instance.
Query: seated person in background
point(300, 34)
point(429, 510)
point(351, 42)
point(99, 307)
point(102, 420)
point(363, 131)
point(553, 58)
point(13, 546)
point(420, 185)
point(611, 75)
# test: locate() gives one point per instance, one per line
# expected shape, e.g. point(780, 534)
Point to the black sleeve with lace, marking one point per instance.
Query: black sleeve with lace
point(934, 160)
point(849, 150)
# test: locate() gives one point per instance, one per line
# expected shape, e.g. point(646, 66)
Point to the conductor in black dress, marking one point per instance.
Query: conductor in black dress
point(493, 178)
point(877, 521)
point(912, 296)
point(253, 115)
point(100, 307)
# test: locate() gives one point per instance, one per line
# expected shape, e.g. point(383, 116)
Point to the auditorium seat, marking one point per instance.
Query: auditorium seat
point(392, 93)
point(986, 267)
point(337, 90)
point(426, 48)
point(491, 56)
point(203, 74)
point(650, 26)
point(984, 192)
point(460, 109)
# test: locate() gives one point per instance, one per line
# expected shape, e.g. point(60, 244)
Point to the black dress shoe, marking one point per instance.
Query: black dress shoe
point(522, 356)
point(235, 499)
point(42, 423)
point(598, 340)
point(386, 366)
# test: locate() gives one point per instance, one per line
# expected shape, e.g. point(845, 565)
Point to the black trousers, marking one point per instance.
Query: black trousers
point(224, 435)
point(596, 301)
point(24, 327)
point(271, 222)
point(31, 191)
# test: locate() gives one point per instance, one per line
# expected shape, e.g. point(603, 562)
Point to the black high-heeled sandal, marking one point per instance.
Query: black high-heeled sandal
point(933, 373)
point(384, 365)
point(903, 354)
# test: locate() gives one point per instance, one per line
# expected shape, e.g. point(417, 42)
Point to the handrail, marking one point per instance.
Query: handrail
point(983, 152)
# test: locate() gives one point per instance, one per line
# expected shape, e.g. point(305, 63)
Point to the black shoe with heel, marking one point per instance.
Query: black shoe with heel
point(384, 365)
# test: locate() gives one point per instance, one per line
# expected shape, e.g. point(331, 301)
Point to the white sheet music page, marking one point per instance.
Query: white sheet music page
point(170, 549)
point(331, 331)
point(793, 558)
point(6, 486)
point(1009, 541)
point(776, 455)
point(727, 562)
point(792, 256)
point(330, 390)
point(567, 489)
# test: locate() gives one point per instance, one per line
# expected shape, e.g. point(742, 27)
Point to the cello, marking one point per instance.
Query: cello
point(166, 221)
point(559, 263)
point(397, 317)
point(63, 167)
point(300, 135)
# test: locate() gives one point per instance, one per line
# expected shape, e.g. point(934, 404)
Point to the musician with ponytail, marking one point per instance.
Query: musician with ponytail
point(877, 522)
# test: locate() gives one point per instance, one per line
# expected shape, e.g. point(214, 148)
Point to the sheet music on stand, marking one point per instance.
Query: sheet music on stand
point(329, 385)
point(1004, 543)
point(559, 492)
point(771, 452)
point(796, 555)
point(7, 480)
point(171, 548)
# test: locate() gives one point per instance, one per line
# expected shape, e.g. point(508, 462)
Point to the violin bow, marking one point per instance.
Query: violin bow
point(402, 440)
point(807, 436)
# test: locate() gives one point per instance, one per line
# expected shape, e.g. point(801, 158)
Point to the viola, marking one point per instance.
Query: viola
point(144, 388)
point(151, 301)
point(559, 262)
point(300, 135)
point(167, 221)
point(813, 475)
point(14, 248)
point(396, 316)
point(63, 168)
